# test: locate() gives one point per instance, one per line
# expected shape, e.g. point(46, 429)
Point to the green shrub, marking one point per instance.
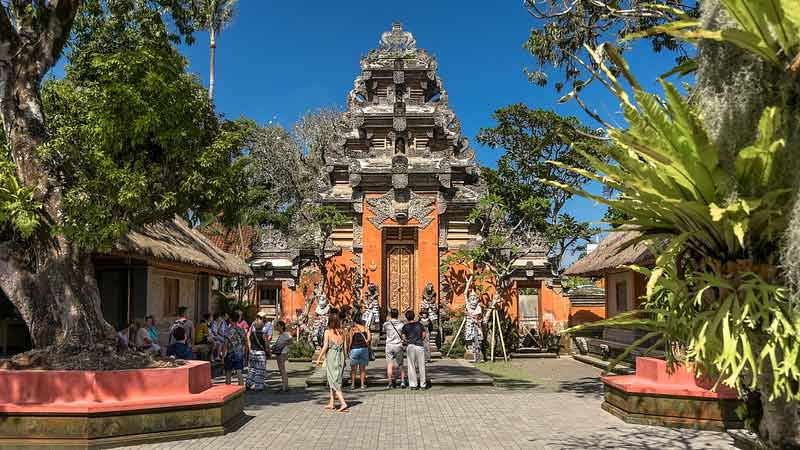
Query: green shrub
point(301, 349)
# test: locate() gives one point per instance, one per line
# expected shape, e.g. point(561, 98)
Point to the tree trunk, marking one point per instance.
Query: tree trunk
point(733, 88)
point(780, 423)
point(60, 301)
point(212, 63)
point(49, 280)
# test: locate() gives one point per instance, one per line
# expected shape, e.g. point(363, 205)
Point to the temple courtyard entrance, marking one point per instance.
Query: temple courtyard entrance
point(535, 404)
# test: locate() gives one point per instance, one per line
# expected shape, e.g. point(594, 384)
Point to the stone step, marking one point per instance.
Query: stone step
point(529, 350)
point(530, 355)
point(620, 369)
point(382, 354)
point(440, 373)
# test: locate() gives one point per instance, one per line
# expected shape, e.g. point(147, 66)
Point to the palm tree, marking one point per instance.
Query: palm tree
point(214, 16)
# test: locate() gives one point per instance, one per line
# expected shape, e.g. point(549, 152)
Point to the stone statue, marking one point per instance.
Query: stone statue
point(429, 301)
point(473, 333)
point(358, 283)
point(372, 307)
point(321, 313)
point(445, 292)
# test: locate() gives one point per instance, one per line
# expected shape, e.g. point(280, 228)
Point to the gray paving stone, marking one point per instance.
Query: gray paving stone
point(560, 412)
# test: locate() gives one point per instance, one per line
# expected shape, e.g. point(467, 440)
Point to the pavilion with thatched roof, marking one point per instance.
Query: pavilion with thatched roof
point(623, 287)
point(159, 267)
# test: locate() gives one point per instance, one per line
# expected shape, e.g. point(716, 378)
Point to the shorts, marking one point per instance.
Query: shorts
point(233, 361)
point(394, 354)
point(359, 357)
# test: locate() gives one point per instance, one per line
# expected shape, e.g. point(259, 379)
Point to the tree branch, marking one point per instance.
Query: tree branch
point(61, 14)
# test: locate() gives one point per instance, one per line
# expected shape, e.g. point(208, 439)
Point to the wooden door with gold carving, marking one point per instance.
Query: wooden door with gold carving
point(400, 277)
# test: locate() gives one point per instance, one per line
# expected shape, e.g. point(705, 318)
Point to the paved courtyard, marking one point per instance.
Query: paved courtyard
point(551, 404)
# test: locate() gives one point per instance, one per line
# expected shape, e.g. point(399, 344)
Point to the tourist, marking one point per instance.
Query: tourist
point(394, 349)
point(201, 331)
point(414, 335)
point(233, 349)
point(258, 338)
point(183, 322)
point(124, 337)
point(242, 323)
point(179, 349)
point(216, 335)
point(358, 343)
point(153, 333)
point(334, 352)
point(281, 351)
point(142, 339)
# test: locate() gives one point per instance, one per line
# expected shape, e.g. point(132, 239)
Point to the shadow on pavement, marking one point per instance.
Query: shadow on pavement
point(644, 438)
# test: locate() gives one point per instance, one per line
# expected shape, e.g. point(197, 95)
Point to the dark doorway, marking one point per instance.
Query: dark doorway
point(14, 336)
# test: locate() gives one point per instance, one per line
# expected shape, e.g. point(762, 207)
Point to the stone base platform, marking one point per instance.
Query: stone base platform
point(442, 372)
point(655, 397)
point(86, 410)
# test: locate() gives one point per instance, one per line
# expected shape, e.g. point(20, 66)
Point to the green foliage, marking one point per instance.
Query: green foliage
point(714, 289)
point(228, 304)
point(213, 14)
point(564, 27)
point(20, 213)
point(133, 139)
point(449, 328)
point(509, 331)
point(301, 349)
point(531, 138)
point(769, 29)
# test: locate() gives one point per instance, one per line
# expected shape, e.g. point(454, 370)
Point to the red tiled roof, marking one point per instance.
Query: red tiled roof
point(230, 240)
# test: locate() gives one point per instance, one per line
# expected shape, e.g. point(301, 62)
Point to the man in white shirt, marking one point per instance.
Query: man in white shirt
point(394, 349)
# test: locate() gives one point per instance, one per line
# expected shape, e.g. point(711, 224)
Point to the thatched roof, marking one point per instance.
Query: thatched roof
point(176, 242)
point(614, 251)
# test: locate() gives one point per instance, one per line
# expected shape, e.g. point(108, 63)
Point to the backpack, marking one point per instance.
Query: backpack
point(177, 323)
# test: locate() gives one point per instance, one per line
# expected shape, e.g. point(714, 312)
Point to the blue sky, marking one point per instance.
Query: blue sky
point(280, 59)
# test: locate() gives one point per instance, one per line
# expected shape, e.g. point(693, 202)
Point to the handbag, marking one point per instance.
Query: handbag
point(369, 347)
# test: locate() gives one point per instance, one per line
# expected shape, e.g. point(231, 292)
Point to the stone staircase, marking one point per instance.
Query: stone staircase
point(379, 345)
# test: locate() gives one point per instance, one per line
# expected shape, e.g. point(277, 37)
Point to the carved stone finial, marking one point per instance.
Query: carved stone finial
point(397, 39)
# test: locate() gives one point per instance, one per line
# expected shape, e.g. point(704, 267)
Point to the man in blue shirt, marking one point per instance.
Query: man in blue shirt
point(179, 348)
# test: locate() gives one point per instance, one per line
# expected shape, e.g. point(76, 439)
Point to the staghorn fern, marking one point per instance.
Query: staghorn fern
point(715, 287)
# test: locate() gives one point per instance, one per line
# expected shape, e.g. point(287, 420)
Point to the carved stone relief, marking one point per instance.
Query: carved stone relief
point(389, 206)
point(357, 234)
point(442, 233)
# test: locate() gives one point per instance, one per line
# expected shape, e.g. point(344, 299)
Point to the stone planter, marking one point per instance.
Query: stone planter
point(655, 397)
point(101, 409)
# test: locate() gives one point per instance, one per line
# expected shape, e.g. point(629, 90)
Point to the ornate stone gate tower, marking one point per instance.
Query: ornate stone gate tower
point(405, 176)
point(403, 171)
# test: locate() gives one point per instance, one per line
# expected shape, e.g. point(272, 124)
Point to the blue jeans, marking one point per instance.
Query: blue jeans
point(359, 357)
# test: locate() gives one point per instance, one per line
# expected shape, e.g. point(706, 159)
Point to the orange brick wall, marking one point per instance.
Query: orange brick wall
point(339, 287)
point(553, 307)
point(458, 275)
point(586, 313)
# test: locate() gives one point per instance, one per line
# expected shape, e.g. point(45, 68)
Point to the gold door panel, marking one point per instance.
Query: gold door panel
point(400, 277)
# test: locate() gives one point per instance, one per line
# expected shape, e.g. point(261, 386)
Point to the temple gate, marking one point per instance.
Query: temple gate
point(405, 176)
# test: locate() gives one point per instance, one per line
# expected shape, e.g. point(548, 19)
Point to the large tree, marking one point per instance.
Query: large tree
point(290, 165)
point(213, 16)
point(530, 138)
point(125, 139)
point(564, 27)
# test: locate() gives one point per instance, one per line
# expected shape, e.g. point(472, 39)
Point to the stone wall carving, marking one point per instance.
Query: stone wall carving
point(420, 209)
point(389, 206)
point(357, 234)
point(442, 233)
point(271, 238)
